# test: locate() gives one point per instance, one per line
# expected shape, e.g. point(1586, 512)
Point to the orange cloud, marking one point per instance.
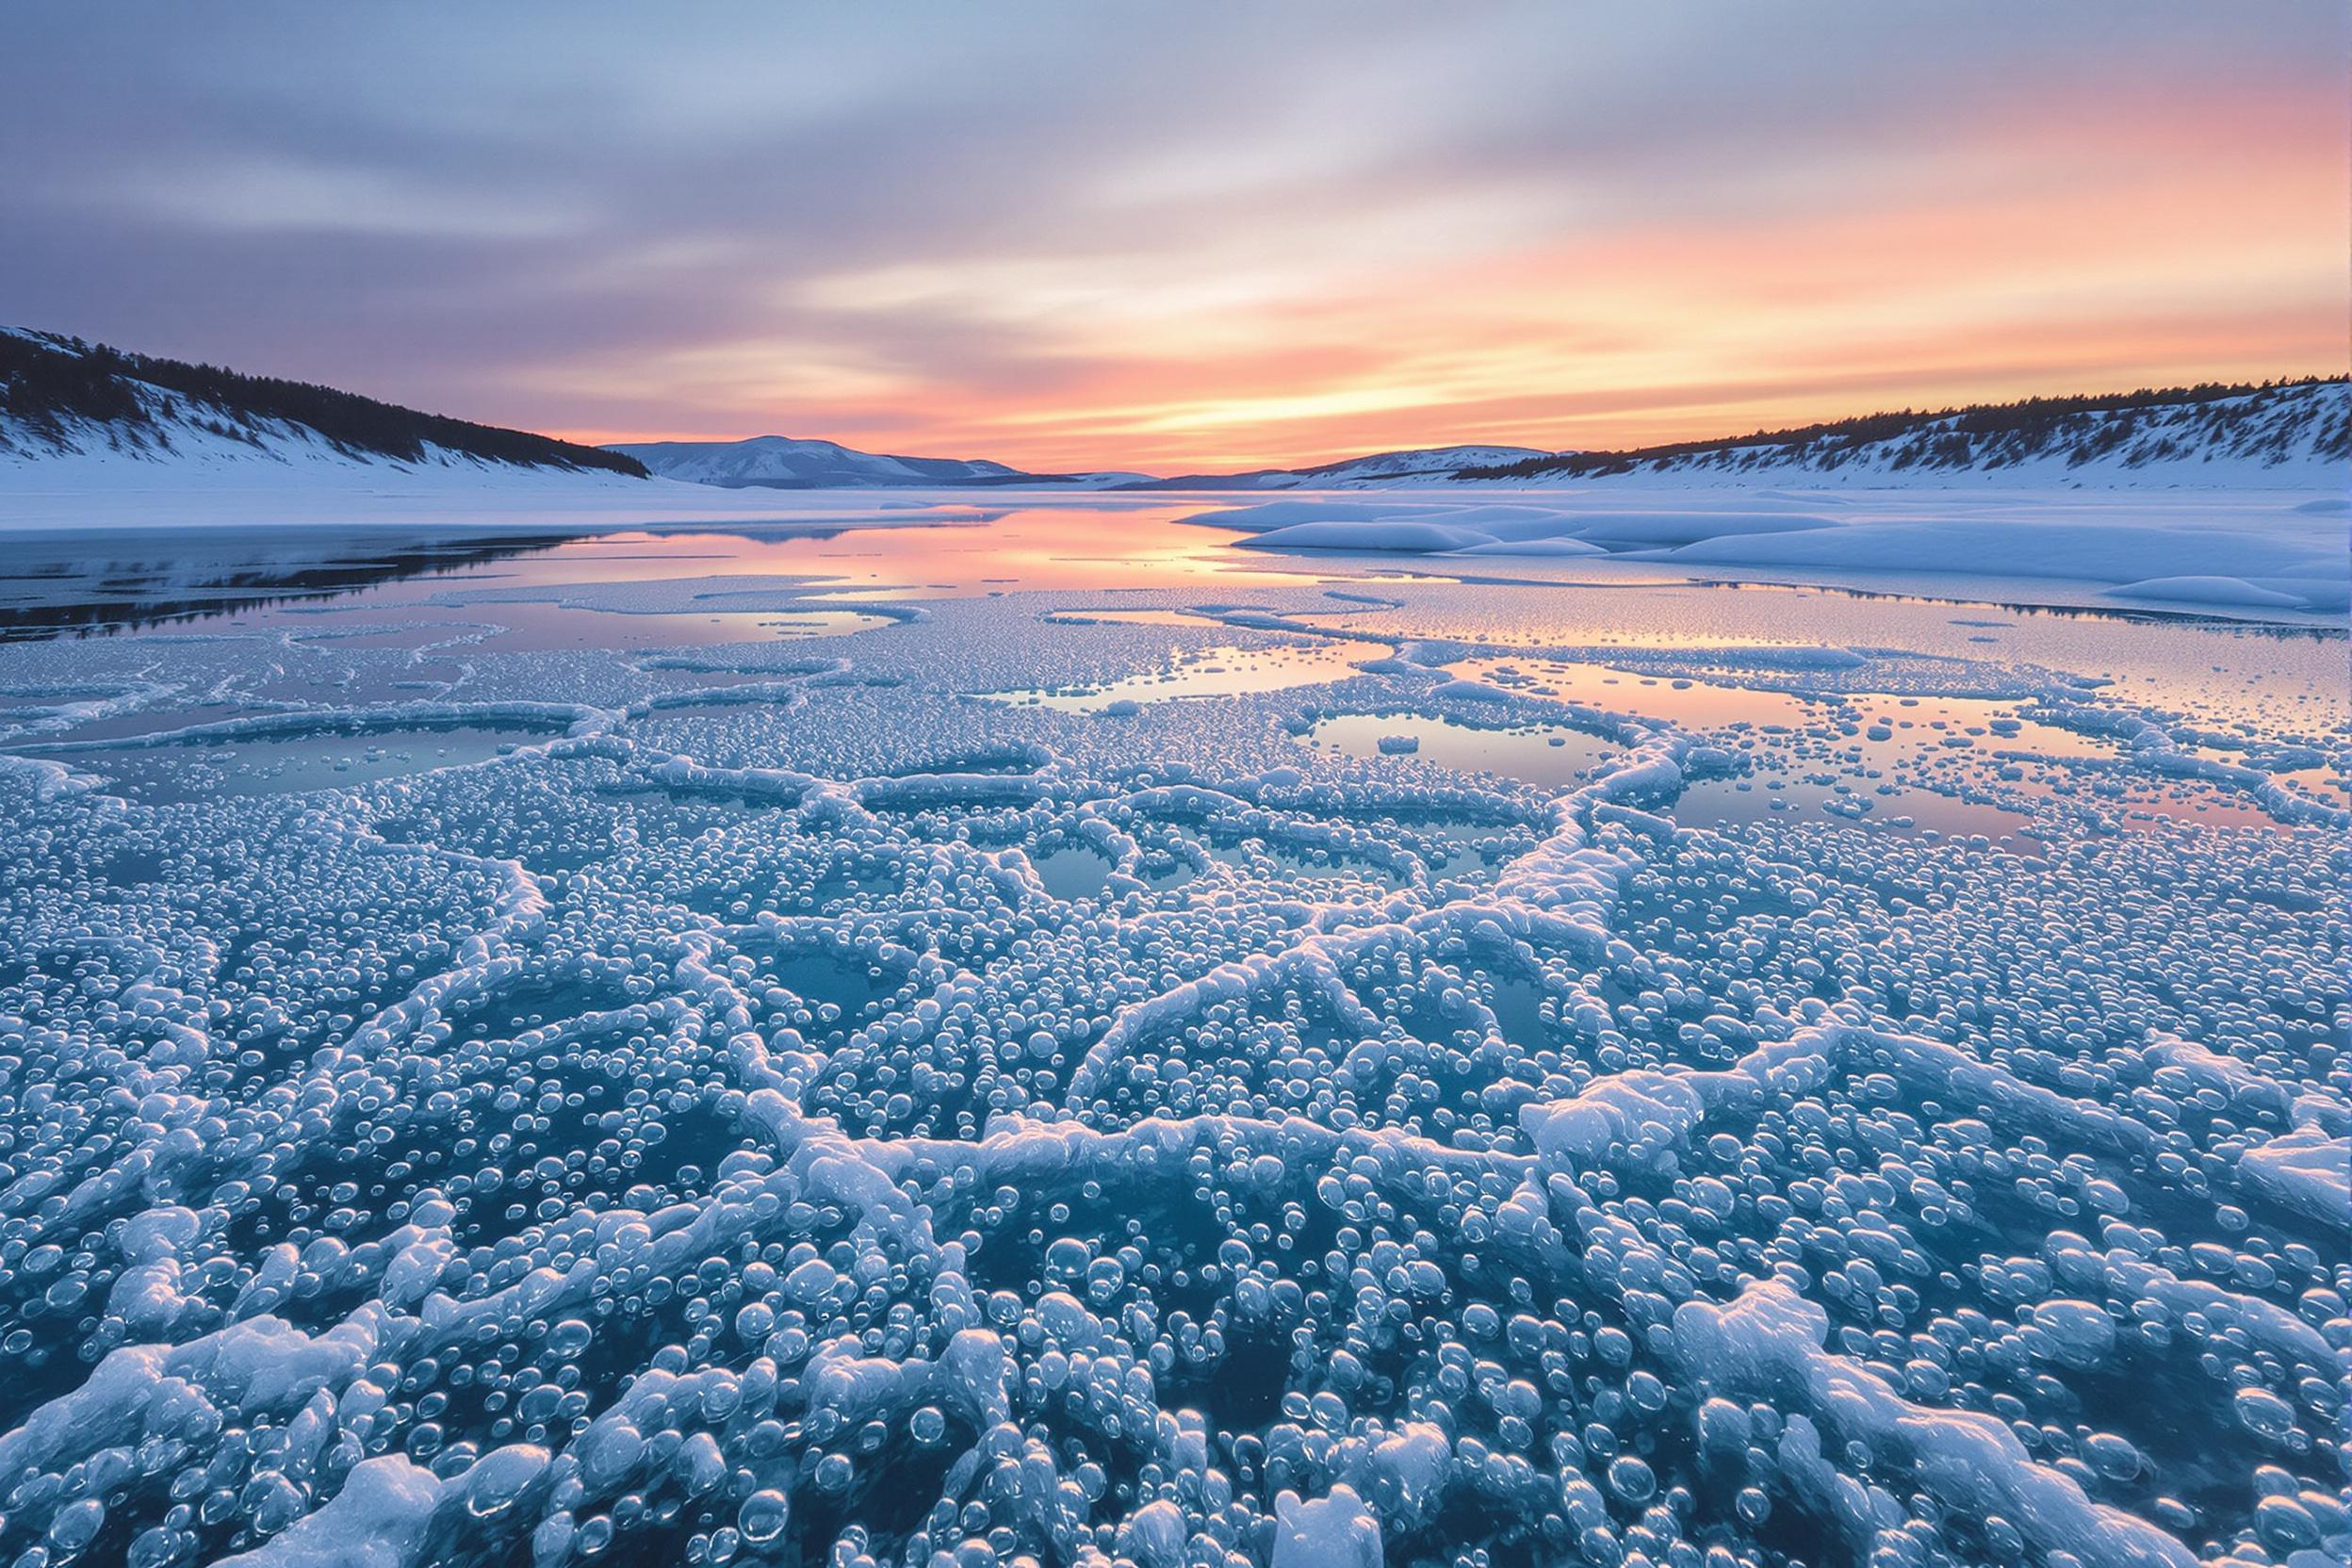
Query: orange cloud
point(2025, 245)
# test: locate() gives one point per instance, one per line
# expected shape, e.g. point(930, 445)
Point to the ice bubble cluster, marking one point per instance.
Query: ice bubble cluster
point(796, 1106)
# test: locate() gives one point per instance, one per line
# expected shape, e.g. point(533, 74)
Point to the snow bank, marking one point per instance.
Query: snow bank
point(1533, 547)
point(2210, 590)
point(1408, 535)
point(1281, 514)
point(1683, 525)
point(2245, 553)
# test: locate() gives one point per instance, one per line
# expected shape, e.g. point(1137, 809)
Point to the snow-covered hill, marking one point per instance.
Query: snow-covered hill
point(784, 463)
point(1412, 466)
point(74, 410)
point(2296, 436)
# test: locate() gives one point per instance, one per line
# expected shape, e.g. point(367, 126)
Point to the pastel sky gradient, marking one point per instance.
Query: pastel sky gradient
point(1185, 237)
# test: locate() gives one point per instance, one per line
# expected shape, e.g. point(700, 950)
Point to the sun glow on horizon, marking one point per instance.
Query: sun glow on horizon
point(2091, 278)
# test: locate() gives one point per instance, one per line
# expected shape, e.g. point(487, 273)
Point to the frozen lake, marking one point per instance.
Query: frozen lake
point(1048, 1027)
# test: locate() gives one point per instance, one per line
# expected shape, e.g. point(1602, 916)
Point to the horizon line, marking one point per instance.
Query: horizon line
point(1761, 433)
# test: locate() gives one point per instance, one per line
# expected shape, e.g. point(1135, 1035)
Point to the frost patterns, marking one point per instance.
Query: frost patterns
point(782, 1106)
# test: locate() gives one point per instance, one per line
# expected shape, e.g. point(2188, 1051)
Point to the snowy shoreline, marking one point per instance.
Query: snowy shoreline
point(2267, 557)
point(2250, 541)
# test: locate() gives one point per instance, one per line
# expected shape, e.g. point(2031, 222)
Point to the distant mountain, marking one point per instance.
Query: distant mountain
point(67, 404)
point(1414, 463)
point(2276, 434)
point(782, 463)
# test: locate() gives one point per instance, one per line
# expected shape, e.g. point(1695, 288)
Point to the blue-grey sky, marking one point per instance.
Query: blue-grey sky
point(1182, 235)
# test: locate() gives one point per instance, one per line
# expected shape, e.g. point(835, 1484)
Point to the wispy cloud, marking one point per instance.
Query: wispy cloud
point(1181, 234)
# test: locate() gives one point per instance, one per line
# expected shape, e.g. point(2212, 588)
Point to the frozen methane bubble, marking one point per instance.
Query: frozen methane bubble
point(775, 1105)
point(1336, 1531)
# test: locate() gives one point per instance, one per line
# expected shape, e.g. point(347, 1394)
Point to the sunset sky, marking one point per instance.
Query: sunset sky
point(1185, 237)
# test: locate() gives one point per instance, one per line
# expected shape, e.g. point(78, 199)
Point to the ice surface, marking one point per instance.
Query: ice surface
point(1411, 536)
point(2219, 548)
point(1051, 1079)
point(2052, 545)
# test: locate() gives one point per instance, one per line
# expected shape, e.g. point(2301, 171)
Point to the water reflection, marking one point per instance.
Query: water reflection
point(449, 595)
point(129, 581)
point(1218, 672)
point(1684, 703)
point(73, 585)
point(1549, 755)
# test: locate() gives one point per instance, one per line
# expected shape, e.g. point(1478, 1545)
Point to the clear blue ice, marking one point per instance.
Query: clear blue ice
point(1050, 1043)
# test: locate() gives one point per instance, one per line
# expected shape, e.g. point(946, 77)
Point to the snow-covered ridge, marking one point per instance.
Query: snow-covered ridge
point(1416, 462)
point(785, 462)
point(2293, 435)
point(68, 408)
